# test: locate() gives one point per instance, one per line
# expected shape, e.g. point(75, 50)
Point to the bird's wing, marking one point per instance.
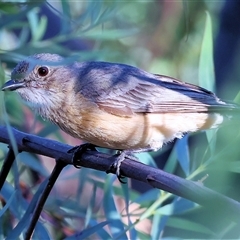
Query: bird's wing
point(160, 96)
point(124, 90)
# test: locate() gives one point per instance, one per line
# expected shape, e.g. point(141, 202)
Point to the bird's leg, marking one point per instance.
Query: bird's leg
point(78, 151)
point(121, 155)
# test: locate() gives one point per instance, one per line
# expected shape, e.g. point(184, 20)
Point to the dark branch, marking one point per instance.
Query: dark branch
point(196, 192)
point(43, 198)
point(6, 167)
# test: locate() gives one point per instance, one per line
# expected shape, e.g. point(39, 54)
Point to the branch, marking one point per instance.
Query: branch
point(196, 192)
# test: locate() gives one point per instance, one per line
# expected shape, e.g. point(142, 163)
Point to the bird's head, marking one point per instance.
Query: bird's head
point(39, 79)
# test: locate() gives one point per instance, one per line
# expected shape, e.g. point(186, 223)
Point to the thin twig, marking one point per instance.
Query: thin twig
point(6, 166)
point(52, 179)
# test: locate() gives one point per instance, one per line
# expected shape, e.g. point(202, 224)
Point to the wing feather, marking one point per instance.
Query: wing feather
point(124, 90)
point(161, 97)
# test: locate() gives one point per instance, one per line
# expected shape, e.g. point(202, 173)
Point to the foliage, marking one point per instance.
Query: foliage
point(153, 35)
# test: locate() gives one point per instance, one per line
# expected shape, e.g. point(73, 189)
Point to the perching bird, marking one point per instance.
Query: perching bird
point(115, 105)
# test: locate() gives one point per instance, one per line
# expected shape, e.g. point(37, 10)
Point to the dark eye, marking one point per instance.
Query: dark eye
point(43, 71)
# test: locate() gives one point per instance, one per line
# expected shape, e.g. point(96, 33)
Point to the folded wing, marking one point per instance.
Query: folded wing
point(159, 95)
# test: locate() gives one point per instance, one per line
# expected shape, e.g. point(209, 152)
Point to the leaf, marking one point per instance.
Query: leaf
point(150, 195)
point(112, 215)
point(25, 219)
point(184, 224)
point(206, 67)
point(178, 206)
point(32, 162)
point(126, 192)
point(171, 163)
point(147, 159)
point(108, 34)
point(182, 205)
point(7, 205)
point(90, 231)
point(37, 26)
point(9, 19)
point(237, 98)
point(10, 8)
point(159, 223)
point(183, 154)
point(234, 166)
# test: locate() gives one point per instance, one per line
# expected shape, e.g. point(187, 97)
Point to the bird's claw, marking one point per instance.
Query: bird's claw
point(77, 152)
point(116, 165)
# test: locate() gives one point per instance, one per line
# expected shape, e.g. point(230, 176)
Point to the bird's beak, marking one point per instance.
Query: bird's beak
point(12, 85)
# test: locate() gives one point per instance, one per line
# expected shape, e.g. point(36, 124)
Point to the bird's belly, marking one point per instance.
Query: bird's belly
point(111, 131)
point(148, 130)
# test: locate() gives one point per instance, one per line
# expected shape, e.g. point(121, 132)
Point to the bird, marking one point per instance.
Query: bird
point(114, 105)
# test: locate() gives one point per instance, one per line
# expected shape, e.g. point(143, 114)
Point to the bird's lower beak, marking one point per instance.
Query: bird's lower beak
point(12, 85)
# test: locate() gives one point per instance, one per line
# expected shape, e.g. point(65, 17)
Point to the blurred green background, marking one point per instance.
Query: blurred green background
point(194, 41)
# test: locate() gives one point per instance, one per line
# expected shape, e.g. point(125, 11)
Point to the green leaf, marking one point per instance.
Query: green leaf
point(32, 162)
point(237, 98)
point(184, 224)
point(7, 7)
point(112, 215)
point(25, 219)
point(159, 223)
point(146, 158)
point(108, 34)
point(234, 166)
point(37, 26)
point(172, 161)
point(183, 154)
point(147, 197)
point(88, 232)
point(206, 66)
point(9, 19)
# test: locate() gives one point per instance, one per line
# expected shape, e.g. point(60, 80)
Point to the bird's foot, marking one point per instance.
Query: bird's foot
point(120, 157)
point(78, 151)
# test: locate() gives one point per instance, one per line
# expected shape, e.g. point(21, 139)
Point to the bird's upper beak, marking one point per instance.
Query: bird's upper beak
point(12, 85)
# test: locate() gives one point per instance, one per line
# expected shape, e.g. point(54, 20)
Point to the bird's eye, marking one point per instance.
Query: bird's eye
point(43, 71)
